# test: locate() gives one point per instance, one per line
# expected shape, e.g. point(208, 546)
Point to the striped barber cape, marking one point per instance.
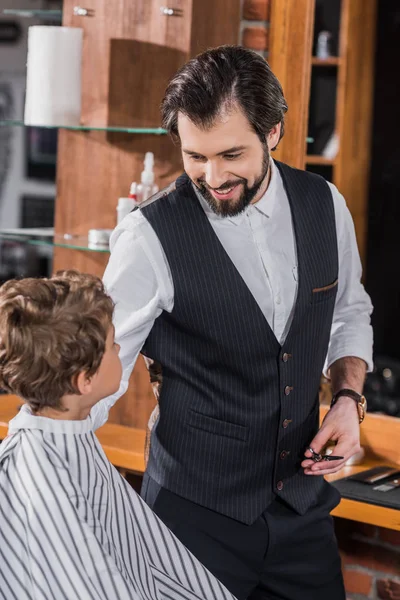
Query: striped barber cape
point(72, 528)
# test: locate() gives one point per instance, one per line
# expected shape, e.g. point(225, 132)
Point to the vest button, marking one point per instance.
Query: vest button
point(286, 356)
point(284, 454)
point(279, 486)
point(288, 389)
point(286, 423)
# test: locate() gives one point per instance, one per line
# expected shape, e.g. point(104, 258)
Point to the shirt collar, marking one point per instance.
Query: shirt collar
point(265, 205)
point(26, 420)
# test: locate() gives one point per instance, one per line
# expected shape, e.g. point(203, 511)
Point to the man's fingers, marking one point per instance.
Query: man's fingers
point(347, 447)
point(320, 440)
point(325, 467)
point(323, 471)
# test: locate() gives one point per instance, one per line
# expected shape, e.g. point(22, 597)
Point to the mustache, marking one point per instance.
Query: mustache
point(225, 186)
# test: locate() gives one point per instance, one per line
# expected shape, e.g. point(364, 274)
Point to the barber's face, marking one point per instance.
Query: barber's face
point(228, 162)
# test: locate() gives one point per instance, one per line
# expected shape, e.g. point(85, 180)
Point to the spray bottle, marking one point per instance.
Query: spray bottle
point(147, 187)
point(126, 205)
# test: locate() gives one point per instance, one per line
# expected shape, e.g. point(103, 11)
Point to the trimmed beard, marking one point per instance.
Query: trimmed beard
point(227, 208)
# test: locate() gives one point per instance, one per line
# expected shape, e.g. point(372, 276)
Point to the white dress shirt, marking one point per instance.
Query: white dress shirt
point(261, 244)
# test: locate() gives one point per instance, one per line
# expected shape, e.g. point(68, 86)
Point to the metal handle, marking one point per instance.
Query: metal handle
point(171, 12)
point(79, 11)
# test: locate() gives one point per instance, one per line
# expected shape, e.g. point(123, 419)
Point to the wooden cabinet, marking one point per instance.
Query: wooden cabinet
point(130, 51)
point(328, 96)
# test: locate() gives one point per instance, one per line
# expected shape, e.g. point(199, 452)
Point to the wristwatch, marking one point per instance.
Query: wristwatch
point(359, 399)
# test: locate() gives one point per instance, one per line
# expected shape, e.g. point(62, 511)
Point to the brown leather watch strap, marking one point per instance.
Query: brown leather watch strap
point(358, 398)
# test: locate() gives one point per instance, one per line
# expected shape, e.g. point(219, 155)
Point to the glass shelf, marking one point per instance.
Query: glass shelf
point(51, 15)
point(46, 237)
point(148, 130)
point(144, 130)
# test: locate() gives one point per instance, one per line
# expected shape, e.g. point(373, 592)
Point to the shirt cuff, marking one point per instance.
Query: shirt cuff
point(335, 354)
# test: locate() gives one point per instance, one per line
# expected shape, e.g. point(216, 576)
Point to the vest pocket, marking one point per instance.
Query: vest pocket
point(323, 293)
point(215, 426)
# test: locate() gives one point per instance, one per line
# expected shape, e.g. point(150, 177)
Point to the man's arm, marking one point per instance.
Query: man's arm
point(350, 348)
point(137, 278)
point(351, 331)
point(341, 424)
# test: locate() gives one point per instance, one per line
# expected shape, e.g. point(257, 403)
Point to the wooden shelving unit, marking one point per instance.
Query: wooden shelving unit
point(131, 49)
point(126, 63)
point(333, 61)
point(341, 84)
point(315, 159)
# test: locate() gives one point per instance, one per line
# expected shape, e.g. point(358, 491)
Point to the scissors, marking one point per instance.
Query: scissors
point(316, 457)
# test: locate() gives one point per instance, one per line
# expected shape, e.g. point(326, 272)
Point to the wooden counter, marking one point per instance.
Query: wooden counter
point(380, 437)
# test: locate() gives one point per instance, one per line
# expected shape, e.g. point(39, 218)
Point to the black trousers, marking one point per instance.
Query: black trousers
point(282, 556)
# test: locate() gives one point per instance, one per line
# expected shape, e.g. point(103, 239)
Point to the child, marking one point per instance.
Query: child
point(71, 528)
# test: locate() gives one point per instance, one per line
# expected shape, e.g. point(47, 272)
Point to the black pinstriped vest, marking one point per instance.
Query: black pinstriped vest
point(237, 410)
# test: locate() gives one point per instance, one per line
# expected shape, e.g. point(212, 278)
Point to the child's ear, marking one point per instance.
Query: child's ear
point(84, 383)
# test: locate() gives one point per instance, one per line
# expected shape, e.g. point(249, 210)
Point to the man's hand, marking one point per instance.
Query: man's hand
point(341, 425)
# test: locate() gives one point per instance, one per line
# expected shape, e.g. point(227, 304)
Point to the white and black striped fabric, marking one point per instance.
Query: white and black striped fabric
point(71, 528)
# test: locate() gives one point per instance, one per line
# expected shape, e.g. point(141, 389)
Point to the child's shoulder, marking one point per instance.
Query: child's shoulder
point(27, 456)
point(35, 478)
point(9, 447)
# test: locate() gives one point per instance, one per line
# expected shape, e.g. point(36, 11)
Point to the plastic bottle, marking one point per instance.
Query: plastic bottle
point(126, 205)
point(133, 192)
point(147, 187)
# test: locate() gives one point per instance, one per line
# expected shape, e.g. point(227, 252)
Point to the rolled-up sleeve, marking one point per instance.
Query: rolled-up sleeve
point(351, 332)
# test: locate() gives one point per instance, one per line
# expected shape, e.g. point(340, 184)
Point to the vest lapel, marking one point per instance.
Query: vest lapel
point(202, 217)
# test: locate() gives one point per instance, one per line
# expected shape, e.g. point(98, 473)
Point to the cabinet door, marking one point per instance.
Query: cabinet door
point(123, 20)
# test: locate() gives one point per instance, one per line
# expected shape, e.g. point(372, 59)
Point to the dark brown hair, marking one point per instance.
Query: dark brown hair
point(50, 331)
point(221, 78)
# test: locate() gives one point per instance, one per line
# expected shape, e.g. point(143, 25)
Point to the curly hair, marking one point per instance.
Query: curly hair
point(50, 331)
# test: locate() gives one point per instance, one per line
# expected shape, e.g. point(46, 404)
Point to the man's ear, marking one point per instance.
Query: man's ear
point(273, 137)
point(84, 383)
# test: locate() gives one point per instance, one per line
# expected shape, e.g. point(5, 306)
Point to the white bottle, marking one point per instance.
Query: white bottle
point(147, 187)
point(126, 205)
point(324, 41)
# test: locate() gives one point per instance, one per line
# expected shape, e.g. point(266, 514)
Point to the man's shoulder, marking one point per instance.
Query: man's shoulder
point(300, 173)
point(169, 190)
point(311, 185)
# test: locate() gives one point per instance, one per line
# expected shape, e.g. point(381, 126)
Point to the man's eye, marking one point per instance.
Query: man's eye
point(197, 157)
point(232, 156)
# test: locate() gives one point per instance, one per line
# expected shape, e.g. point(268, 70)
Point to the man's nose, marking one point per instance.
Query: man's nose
point(214, 175)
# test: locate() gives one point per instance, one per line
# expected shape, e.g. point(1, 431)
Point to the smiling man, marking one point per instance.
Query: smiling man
point(241, 282)
point(226, 178)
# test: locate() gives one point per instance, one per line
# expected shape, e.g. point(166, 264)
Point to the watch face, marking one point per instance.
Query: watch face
point(362, 408)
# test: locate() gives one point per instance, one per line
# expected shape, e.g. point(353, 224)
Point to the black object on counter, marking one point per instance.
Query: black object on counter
point(373, 487)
